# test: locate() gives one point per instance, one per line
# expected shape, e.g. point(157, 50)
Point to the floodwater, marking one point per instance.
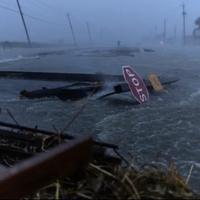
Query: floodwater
point(165, 129)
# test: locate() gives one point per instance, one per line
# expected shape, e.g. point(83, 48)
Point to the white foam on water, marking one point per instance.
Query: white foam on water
point(195, 94)
point(18, 58)
point(184, 103)
point(9, 99)
point(191, 162)
point(108, 119)
point(192, 97)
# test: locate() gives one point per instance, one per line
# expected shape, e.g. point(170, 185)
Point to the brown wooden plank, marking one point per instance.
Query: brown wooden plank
point(29, 176)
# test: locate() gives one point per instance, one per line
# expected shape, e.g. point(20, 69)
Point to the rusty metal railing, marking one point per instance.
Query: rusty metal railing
point(28, 176)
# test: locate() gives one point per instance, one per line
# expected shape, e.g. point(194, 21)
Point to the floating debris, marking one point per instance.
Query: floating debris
point(105, 177)
point(114, 52)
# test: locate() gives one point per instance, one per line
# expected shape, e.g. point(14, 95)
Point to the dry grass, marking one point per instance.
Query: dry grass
point(103, 180)
point(106, 182)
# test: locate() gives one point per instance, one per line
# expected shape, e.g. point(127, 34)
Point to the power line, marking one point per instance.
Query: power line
point(184, 26)
point(164, 30)
point(7, 8)
point(89, 31)
point(71, 28)
point(30, 16)
point(28, 7)
point(24, 23)
point(43, 4)
point(43, 20)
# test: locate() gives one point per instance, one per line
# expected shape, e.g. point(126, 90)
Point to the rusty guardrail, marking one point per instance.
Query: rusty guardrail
point(28, 176)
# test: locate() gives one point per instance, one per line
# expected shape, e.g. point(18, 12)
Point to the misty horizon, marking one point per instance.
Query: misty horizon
point(127, 21)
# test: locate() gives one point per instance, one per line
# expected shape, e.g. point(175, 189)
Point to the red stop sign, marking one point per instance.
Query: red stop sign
point(136, 84)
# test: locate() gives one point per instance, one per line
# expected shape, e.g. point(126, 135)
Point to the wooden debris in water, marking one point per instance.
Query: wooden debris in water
point(104, 178)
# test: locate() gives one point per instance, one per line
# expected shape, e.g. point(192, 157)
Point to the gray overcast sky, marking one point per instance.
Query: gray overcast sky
point(110, 20)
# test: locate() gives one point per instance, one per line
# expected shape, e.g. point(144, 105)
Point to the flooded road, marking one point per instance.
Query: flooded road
point(165, 129)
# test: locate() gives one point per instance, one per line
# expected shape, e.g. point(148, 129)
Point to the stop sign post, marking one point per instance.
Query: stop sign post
point(136, 84)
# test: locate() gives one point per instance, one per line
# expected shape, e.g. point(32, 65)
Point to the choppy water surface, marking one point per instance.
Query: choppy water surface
point(167, 128)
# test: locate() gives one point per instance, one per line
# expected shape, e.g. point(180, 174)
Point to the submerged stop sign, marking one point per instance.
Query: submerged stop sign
point(136, 84)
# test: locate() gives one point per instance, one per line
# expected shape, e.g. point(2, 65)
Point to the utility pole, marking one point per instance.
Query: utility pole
point(72, 30)
point(156, 30)
point(175, 32)
point(24, 23)
point(184, 27)
point(89, 32)
point(165, 30)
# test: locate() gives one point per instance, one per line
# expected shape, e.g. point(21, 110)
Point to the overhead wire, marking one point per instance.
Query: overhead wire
point(35, 9)
point(43, 4)
point(30, 16)
point(10, 9)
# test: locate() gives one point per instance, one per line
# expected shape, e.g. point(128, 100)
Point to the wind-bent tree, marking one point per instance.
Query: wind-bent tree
point(197, 22)
point(197, 29)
